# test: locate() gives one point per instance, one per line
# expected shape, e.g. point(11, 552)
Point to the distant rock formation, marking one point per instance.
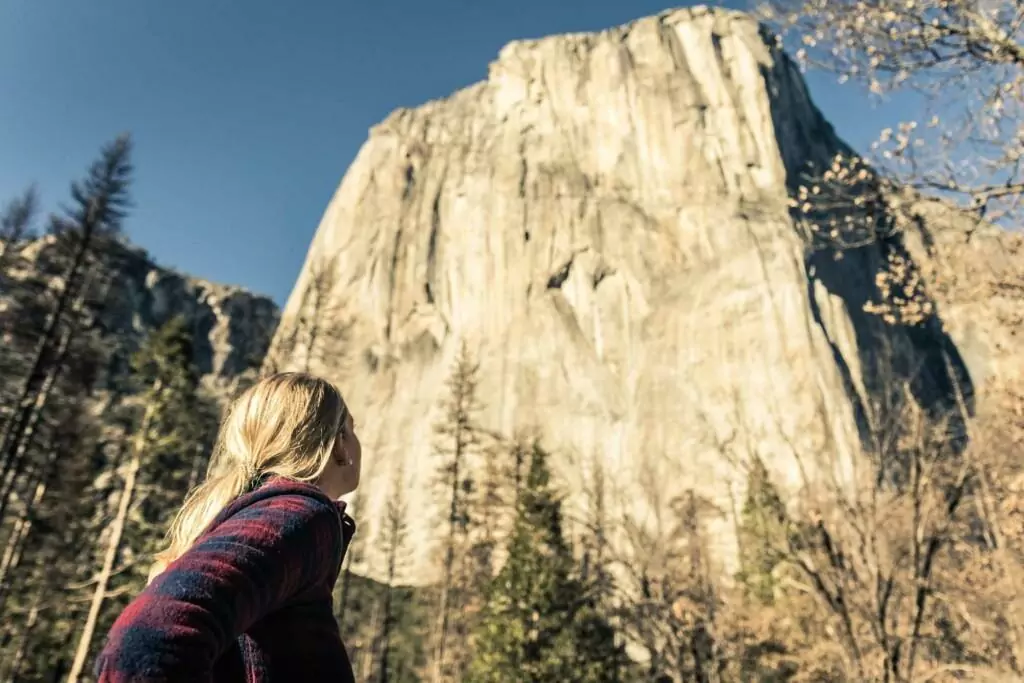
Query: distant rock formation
point(604, 220)
point(232, 327)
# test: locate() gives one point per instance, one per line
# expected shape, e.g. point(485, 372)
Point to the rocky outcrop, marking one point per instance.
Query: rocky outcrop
point(604, 221)
point(232, 327)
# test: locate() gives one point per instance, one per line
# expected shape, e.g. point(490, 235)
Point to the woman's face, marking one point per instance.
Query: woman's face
point(341, 476)
point(350, 446)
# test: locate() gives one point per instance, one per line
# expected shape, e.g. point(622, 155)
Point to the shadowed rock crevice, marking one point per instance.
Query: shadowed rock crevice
point(559, 277)
point(860, 412)
point(921, 356)
point(435, 228)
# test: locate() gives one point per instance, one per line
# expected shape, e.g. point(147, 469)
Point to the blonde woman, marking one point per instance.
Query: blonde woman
point(243, 590)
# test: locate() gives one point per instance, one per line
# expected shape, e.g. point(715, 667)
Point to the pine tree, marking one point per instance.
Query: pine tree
point(62, 393)
point(487, 505)
point(397, 643)
point(762, 527)
point(765, 532)
point(15, 227)
point(395, 536)
point(56, 540)
point(16, 311)
point(540, 624)
point(166, 423)
point(50, 501)
point(344, 589)
point(99, 205)
point(35, 612)
point(31, 291)
point(458, 440)
point(595, 572)
point(317, 334)
point(689, 593)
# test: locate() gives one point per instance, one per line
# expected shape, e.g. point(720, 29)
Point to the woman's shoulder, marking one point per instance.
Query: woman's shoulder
point(278, 506)
point(291, 523)
point(275, 487)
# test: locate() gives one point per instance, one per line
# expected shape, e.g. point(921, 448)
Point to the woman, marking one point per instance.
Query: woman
point(243, 590)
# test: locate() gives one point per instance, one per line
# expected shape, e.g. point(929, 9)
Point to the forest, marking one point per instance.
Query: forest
point(917, 571)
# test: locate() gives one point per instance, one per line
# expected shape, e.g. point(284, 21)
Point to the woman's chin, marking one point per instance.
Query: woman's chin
point(347, 488)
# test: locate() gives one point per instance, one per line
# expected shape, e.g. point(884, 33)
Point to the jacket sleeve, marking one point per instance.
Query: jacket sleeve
point(248, 566)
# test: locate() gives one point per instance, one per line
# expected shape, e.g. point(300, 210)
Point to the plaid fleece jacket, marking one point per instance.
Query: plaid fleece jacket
point(250, 602)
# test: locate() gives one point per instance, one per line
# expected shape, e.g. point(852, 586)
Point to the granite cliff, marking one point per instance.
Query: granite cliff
point(604, 220)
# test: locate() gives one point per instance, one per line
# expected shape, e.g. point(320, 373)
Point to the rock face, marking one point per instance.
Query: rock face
point(604, 221)
point(232, 327)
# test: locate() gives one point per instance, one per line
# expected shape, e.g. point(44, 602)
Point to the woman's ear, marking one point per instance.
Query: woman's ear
point(341, 455)
point(346, 458)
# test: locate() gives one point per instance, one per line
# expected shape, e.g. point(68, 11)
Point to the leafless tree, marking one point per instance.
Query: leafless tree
point(964, 58)
point(317, 334)
point(113, 542)
point(665, 598)
point(887, 571)
point(458, 441)
point(395, 540)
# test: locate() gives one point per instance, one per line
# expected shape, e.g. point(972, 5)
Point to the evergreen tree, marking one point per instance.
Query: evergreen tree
point(540, 624)
point(343, 589)
point(46, 530)
point(53, 542)
point(458, 440)
point(317, 334)
point(98, 206)
point(15, 227)
point(764, 532)
point(166, 422)
point(595, 572)
point(762, 528)
point(81, 504)
point(487, 505)
point(17, 316)
point(182, 428)
point(398, 646)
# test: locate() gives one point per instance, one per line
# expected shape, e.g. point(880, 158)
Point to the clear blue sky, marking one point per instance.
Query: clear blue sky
point(246, 114)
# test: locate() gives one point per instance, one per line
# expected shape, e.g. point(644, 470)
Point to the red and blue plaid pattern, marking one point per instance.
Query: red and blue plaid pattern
point(249, 602)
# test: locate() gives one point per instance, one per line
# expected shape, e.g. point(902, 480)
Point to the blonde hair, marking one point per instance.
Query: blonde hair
point(285, 425)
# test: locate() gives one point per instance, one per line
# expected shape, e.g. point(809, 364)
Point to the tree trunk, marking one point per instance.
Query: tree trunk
point(11, 675)
point(346, 578)
point(22, 527)
point(449, 563)
point(40, 365)
point(197, 467)
point(116, 532)
point(385, 635)
point(18, 444)
point(394, 543)
point(35, 490)
point(19, 449)
point(346, 575)
point(368, 653)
